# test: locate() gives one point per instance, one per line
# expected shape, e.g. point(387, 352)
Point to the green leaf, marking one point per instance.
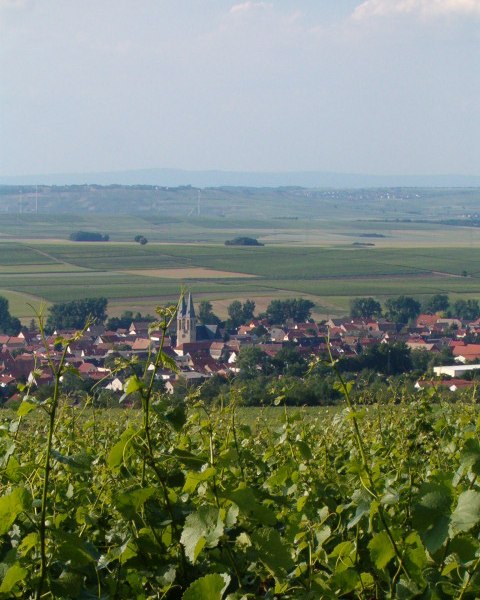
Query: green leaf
point(168, 362)
point(132, 385)
point(194, 479)
point(79, 462)
point(305, 450)
point(381, 550)
point(11, 506)
point(431, 515)
point(14, 575)
point(174, 414)
point(28, 542)
point(25, 408)
point(210, 587)
point(129, 501)
point(467, 513)
point(202, 528)
point(248, 504)
point(118, 453)
point(272, 551)
point(72, 548)
point(190, 460)
point(345, 581)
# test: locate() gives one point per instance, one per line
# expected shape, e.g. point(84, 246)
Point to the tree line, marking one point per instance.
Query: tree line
point(403, 309)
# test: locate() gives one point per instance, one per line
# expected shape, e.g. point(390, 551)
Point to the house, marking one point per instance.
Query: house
point(455, 370)
point(466, 353)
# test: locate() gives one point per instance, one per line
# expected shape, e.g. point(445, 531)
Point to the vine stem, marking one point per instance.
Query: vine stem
point(52, 412)
point(464, 589)
point(371, 488)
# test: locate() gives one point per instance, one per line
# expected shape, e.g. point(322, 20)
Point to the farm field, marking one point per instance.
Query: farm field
point(140, 277)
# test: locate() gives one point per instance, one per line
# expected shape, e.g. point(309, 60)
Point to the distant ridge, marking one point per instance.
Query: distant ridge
point(202, 179)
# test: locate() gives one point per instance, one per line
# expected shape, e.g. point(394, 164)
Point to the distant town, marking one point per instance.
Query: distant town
point(438, 348)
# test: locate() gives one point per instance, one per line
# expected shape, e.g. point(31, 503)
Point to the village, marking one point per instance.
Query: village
point(202, 351)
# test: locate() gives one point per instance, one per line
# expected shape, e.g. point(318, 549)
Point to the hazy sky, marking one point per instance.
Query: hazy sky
point(379, 86)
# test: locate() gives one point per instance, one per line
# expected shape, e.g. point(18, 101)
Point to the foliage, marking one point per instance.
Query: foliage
point(206, 315)
point(402, 309)
point(437, 303)
point(240, 313)
point(390, 359)
point(73, 315)
point(88, 236)
point(8, 324)
point(378, 503)
point(466, 309)
point(365, 308)
point(297, 309)
point(141, 239)
point(243, 241)
point(252, 361)
point(126, 319)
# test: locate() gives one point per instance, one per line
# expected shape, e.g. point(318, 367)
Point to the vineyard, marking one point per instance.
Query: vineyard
point(186, 501)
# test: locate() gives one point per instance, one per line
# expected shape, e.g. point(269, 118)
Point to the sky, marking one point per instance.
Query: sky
point(349, 86)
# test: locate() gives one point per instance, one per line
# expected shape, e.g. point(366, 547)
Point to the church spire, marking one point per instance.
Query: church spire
point(186, 321)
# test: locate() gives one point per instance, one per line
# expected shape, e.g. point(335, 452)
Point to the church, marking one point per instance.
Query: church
point(188, 331)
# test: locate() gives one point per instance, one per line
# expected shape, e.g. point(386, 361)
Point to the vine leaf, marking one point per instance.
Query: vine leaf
point(431, 515)
point(11, 506)
point(210, 587)
point(381, 550)
point(248, 504)
point(14, 574)
point(467, 513)
point(202, 528)
point(272, 551)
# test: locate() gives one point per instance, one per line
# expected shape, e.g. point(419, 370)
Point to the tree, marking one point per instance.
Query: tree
point(298, 309)
point(8, 324)
point(140, 239)
point(251, 362)
point(437, 303)
point(248, 310)
point(402, 309)
point(390, 359)
point(240, 313)
point(365, 308)
point(469, 310)
point(289, 362)
point(74, 315)
point(235, 314)
point(206, 315)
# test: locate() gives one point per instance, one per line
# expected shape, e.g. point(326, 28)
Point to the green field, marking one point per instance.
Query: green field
point(327, 245)
point(140, 277)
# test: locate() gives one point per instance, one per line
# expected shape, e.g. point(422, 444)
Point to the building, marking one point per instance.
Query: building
point(186, 321)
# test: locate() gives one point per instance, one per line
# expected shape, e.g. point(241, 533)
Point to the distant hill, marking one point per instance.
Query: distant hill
point(284, 203)
point(201, 179)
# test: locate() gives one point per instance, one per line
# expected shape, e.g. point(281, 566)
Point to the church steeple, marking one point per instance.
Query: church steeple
point(186, 321)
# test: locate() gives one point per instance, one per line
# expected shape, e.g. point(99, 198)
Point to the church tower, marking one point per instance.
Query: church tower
point(186, 321)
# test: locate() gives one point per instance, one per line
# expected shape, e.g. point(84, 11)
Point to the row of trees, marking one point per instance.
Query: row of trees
point(405, 308)
point(75, 314)
point(278, 312)
point(89, 236)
